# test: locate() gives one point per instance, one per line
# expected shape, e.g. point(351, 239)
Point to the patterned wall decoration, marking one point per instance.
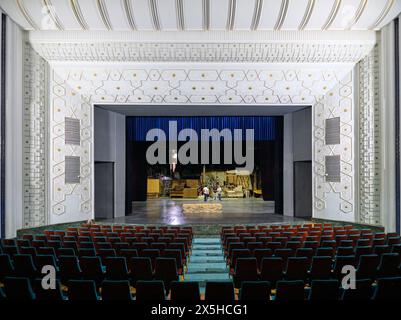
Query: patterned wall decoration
point(35, 139)
point(339, 102)
point(74, 90)
point(69, 202)
point(283, 52)
point(369, 139)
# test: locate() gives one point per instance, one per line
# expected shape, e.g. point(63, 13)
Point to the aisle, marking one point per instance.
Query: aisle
point(206, 261)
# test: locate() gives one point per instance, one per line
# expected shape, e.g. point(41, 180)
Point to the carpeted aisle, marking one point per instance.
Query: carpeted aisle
point(206, 262)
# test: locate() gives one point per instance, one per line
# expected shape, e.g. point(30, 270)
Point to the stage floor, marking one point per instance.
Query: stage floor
point(235, 211)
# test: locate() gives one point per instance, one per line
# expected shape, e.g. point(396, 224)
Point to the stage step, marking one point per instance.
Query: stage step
point(207, 261)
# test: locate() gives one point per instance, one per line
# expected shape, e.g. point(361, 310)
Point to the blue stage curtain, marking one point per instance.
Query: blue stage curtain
point(265, 128)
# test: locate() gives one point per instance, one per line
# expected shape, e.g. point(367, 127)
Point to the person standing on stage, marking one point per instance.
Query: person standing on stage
point(205, 193)
point(219, 190)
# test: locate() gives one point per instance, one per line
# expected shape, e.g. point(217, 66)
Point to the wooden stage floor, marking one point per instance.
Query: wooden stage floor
point(234, 211)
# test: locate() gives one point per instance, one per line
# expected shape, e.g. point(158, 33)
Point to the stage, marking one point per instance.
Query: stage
point(234, 211)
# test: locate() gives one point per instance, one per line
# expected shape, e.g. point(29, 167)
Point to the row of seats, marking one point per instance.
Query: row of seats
point(92, 268)
point(308, 252)
point(273, 269)
point(188, 292)
point(40, 255)
point(238, 250)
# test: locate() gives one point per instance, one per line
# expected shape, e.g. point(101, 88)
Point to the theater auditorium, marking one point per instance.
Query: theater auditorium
point(200, 151)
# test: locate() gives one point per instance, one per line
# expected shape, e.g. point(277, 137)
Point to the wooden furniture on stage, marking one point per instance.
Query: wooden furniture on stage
point(190, 193)
point(177, 189)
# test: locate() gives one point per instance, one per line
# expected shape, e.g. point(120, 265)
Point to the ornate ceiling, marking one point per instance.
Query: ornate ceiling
point(186, 15)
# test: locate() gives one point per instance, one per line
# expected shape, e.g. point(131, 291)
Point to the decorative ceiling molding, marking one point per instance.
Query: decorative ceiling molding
point(26, 15)
point(207, 15)
point(128, 12)
point(180, 15)
point(282, 14)
point(231, 14)
point(154, 14)
point(358, 13)
point(256, 14)
point(307, 15)
point(76, 9)
point(383, 14)
point(51, 11)
point(103, 14)
point(203, 52)
point(333, 15)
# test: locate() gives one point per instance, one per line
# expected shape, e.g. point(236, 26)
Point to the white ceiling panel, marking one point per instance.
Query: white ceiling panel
point(295, 14)
point(37, 12)
point(367, 18)
point(141, 11)
point(394, 11)
point(11, 8)
point(167, 14)
point(218, 14)
point(269, 14)
point(346, 13)
point(193, 14)
point(117, 15)
point(320, 14)
point(91, 14)
point(177, 15)
point(63, 11)
point(244, 14)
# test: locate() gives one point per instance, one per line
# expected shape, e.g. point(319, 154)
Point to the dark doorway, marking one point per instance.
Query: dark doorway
point(104, 190)
point(303, 189)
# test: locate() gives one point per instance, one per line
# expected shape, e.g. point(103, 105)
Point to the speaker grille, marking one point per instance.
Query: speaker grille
point(333, 169)
point(72, 169)
point(72, 131)
point(332, 131)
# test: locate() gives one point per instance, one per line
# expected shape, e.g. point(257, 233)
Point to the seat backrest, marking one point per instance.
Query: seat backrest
point(187, 291)
point(116, 267)
point(48, 294)
point(140, 268)
point(255, 291)
point(24, 265)
point(345, 251)
point(325, 290)
point(290, 290)
point(18, 288)
point(116, 290)
point(389, 265)
point(388, 289)
point(174, 253)
point(69, 265)
point(151, 291)
point(222, 291)
point(342, 261)
point(246, 267)
point(368, 262)
point(321, 267)
point(82, 290)
point(42, 260)
point(129, 253)
point(363, 291)
point(6, 267)
point(90, 265)
point(165, 267)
